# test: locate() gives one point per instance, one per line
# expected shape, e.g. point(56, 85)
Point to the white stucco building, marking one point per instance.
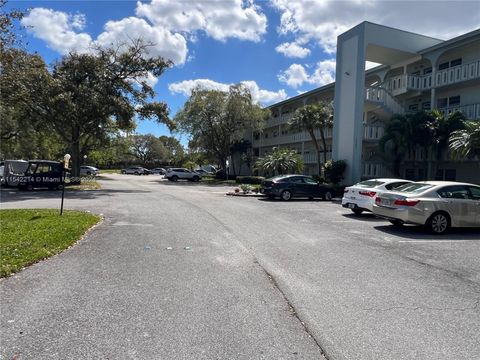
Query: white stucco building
point(417, 72)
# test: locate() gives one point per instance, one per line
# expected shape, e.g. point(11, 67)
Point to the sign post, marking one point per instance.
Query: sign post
point(66, 160)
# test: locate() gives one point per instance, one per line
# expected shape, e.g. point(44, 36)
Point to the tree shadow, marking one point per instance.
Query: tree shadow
point(13, 195)
point(414, 232)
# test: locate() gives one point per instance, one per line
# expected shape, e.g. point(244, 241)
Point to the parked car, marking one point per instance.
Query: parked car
point(202, 172)
point(89, 170)
point(42, 174)
point(175, 174)
point(438, 205)
point(160, 171)
point(135, 170)
point(360, 197)
point(12, 171)
point(289, 186)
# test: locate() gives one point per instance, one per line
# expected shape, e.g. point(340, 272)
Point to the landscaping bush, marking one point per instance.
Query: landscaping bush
point(222, 175)
point(319, 178)
point(334, 170)
point(254, 180)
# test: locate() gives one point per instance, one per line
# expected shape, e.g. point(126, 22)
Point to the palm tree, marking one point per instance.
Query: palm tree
point(397, 140)
point(281, 161)
point(311, 117)
point(466, 142)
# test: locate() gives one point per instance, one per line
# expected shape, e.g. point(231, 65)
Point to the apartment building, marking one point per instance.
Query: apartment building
point(417, 72)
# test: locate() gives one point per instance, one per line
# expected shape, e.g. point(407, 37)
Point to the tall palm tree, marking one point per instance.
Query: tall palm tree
point(281, 161)
point(311, 117)
point(466, 142)
point(397, 140)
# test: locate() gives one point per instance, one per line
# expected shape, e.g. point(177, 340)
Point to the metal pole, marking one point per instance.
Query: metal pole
point(63, 191)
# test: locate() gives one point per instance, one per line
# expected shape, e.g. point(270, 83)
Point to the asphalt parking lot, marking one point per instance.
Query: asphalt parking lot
point(244, 278)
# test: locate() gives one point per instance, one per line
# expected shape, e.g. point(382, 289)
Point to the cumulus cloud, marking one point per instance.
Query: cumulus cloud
point(296, 75)
point(57, 29)
point(258, 95)
point(165, 44)
point(219, 19)
point(292, 50)
point(321, 21)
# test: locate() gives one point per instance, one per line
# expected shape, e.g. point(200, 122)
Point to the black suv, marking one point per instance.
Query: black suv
point(42, 174)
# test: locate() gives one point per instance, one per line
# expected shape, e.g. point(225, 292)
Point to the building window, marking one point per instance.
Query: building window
point(427, 71)
point(454, 100)
point(443, 66)
point(441, 103)
point(426, 105)
point(413, 107)
point(456, 62)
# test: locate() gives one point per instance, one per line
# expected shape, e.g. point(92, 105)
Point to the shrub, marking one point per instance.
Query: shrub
point(222, 175)
point(334, 170)
point(246, 188)
point(318, 178)
point(254, 180)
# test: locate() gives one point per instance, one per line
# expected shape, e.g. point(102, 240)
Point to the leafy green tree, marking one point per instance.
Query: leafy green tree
point(175, 150)
point(466, 142)
point(90, 92)
point(8, 21)
point(280, 161)
point(216, 119)
point(334, 170)
point(190, 165)
point(311, 117)
point(148, 149)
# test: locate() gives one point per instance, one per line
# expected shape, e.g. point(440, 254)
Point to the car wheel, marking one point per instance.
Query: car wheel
point(195, 178)
point(286, 195)
point(396, 223)
point(89, 173)
point(122, 172)
point(174, 178)
point(357, 212)
point(327, 196)
point(29, 187)
point(439, 223)
point(135, 173)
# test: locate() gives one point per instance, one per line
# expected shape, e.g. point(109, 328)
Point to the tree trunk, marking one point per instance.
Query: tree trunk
point(76, 156)
point(324, 152)
point(317, 148)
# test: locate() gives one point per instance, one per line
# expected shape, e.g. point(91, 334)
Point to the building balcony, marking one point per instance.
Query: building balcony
point(312, 158)
point(279, 120)
point(400, 84)
point(381, 97)
point(471, 111)
point(299, 137)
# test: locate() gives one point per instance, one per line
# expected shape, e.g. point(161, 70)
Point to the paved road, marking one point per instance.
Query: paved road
point(259, 280)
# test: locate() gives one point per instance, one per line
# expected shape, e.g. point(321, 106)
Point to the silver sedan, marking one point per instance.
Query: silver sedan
point(438, 205)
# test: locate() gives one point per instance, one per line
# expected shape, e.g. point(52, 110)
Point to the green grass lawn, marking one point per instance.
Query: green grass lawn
point(30, 235)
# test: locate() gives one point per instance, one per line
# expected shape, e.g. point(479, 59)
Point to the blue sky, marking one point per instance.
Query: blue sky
point(278, 48)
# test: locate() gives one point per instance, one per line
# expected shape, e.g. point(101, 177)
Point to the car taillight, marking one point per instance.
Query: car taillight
point(367, 193)
point(406, 202)
point(378, 200)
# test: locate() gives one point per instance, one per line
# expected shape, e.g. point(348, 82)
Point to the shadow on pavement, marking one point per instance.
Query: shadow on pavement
point(189, 183)
point(413, 232)
point(11, 195)
point(366, 216)
point(267, 199)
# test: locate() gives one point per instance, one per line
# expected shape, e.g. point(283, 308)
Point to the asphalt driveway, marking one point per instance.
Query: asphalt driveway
point(180, 271)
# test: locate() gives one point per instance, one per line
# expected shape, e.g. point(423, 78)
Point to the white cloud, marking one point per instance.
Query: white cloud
point(57, 29)
point(296, 75)
point(165, 44)
point(322, 21)
point(292, 50)
point(258, 95)
point(219, 19)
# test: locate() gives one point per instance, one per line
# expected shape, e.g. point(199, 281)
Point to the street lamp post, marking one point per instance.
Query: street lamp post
point(66, 160)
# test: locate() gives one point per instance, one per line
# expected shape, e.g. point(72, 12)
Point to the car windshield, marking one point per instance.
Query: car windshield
point(370, 183)
point(414, 188)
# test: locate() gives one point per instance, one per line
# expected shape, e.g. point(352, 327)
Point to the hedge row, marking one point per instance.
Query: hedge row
point(254, 180)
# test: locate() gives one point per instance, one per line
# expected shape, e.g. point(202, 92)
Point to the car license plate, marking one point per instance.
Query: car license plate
point(386, 202)
point(351, 206)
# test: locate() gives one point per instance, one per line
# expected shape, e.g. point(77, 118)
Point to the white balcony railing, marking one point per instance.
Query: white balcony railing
point(381, 96)
point(471, 111)
point(289, 139)
point(400, 84)
point(371, 132)
point(312, 158)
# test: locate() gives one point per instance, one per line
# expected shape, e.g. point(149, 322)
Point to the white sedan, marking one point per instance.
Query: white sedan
point(438, 205)
point(89, 170)
point(360, 197)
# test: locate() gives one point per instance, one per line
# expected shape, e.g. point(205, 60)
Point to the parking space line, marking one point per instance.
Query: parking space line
point(431, 241)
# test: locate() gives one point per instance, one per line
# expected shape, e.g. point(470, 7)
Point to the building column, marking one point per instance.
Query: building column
point(349, 105)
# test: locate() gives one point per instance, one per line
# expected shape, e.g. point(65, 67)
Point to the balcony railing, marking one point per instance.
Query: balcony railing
point(290, 139)
point(400, 84)
point(381, 96)
point(471, 111)
point(312, 158)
